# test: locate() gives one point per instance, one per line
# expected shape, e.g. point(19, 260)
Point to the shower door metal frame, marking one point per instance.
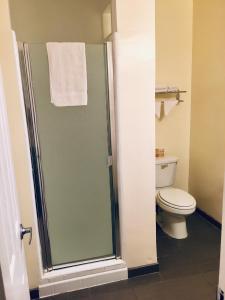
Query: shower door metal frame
point(112, 142)
point(35, 153)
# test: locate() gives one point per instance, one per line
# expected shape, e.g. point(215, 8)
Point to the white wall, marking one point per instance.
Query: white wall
point(136, 130)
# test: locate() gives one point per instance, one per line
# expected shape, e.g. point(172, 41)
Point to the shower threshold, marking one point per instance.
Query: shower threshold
point(82, 276)
point(79, 263)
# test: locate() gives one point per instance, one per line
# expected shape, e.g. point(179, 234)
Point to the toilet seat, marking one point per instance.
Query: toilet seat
point(176, 201)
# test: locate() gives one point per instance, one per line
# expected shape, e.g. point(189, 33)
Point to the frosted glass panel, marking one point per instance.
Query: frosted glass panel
point(74, 153)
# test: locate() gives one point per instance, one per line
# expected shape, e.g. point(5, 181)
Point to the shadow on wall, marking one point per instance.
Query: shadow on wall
point(208, 107)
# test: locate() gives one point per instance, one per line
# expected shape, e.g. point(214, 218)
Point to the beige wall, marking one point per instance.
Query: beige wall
point(173, 68)
point(107, 21)
point(57, 20)
point(208, 106)
point(136, 130)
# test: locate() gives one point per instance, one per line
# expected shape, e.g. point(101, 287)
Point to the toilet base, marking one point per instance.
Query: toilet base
point(172, 224)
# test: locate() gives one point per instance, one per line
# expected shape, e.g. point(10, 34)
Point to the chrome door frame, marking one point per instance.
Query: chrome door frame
point(113, 148)
point(35, 153)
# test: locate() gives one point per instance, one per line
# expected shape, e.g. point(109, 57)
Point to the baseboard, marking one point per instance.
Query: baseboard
point(209, 218)
point(34, 294)
point(143, 270)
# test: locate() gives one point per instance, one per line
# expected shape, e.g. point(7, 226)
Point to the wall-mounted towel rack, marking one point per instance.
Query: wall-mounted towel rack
point(170, 91)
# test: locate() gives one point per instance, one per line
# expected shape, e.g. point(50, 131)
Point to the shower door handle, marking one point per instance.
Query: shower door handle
point(110, 161)
point(24, 231)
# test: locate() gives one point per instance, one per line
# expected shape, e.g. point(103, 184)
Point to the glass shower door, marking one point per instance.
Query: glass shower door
point(72, 144)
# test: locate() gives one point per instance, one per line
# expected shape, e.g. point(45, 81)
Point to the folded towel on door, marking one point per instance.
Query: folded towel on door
point(169, 105)
point(158, 105)
point(68, 73)
point(166, 89)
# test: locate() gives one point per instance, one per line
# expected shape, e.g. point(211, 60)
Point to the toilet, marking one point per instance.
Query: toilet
point(174, 205)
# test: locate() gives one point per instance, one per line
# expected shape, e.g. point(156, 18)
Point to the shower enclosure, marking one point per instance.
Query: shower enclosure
point(73, 159)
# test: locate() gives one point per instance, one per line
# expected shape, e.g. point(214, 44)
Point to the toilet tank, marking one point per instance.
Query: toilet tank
point(165, 171)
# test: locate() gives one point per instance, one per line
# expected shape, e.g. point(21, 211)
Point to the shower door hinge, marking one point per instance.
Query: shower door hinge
point(110, 160)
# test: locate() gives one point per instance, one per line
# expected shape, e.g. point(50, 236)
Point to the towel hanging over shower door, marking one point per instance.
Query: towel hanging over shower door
point(68, 74)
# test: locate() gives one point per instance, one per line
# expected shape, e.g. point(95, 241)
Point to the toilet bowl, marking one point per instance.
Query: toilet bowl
point(174, 205)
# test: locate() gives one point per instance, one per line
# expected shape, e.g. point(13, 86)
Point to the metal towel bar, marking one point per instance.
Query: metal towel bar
point(171, 92)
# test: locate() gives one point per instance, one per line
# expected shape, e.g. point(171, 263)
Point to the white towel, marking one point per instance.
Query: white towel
point(166, 89)
point(169, 105)
point(161, 89)
point(68, 73)
point(172, 89)
point(158, 105)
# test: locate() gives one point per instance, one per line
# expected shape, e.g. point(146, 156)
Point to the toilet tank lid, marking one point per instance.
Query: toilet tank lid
point(166, 160)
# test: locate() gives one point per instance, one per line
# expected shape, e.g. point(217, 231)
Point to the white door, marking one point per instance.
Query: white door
point(12, 259)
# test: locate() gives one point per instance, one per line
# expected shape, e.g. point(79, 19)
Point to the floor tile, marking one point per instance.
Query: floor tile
point(188, 270)
point(113, 292)
point(185, 288)
point(57, 297)
point(80, 295)
point(212, 277)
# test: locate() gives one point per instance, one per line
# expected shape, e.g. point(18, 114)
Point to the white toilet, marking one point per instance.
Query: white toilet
point(174, 204)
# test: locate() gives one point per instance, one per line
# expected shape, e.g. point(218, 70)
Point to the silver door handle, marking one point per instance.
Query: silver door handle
point(25, 230)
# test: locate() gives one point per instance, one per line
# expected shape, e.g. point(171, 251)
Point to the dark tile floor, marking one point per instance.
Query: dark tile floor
point(188, 270)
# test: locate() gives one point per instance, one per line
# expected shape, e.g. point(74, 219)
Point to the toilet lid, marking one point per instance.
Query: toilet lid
point(176, 198)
